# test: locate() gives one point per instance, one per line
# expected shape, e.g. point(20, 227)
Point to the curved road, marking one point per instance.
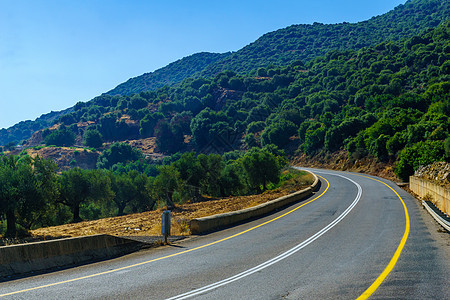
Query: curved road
point(333, 245)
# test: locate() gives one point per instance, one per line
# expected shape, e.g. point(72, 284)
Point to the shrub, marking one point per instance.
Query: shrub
point(419, 154)
point(93, 138)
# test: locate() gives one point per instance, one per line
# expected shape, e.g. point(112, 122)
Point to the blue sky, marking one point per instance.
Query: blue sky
point(55, 53)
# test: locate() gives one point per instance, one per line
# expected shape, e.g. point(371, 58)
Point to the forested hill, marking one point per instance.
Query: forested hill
point(390, 102)
point(23, 130)
point(298, 42)
point(278, 48)
point(173, 73)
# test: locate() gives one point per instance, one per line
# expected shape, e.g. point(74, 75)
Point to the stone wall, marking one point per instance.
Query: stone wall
point(440, 195)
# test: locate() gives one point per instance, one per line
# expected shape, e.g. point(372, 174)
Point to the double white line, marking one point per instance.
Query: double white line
point(279, 257)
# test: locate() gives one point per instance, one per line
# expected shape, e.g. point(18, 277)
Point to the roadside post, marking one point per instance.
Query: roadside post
point(165, 224)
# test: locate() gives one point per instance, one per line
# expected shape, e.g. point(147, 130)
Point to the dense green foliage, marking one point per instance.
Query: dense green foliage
point(23, 130)
point(279, 48)
point(63, 136)
point(27, 186)
point(33, 195)
point(169, 75)
point(118, 153)
point(390, 101)
point(374, 101)
point(92, 138)
point(298, 42)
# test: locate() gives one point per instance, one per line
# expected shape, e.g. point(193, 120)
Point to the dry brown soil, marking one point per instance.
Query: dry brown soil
point(148, 223)
point(341, 161)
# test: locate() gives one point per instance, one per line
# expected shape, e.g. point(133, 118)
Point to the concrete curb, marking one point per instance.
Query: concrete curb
point(437, 217)
point(41, 256)
point(210, 223)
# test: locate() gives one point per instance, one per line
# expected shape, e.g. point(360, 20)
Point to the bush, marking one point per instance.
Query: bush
point(93, 138)
point(279, 133)
point(419, 154)
point(261, 168)
point(118, 153)
point(61, 137)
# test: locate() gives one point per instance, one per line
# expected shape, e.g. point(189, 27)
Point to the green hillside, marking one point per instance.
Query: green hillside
point(173, 73)
point(278, 48)
point(390, 101)
point(298, 42)
point(228, 135)
point(23, 130)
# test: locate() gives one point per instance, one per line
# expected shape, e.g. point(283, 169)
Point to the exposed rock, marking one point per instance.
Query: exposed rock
point(437, 172)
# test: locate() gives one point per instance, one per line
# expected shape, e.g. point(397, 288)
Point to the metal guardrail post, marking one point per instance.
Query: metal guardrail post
point(165, 224)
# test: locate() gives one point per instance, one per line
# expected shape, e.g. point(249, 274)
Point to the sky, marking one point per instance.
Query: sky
point(54, 53)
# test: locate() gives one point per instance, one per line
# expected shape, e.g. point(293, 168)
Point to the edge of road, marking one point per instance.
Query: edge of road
point(34, 258)
point(432, 211)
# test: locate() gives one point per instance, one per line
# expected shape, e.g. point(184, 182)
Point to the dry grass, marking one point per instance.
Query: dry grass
point(148, 223)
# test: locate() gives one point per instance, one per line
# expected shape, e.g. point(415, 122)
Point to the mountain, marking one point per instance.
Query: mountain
point(298, 42)
point(171, 74)
point(278, 48)
point(386, 107)
point(389, 103)
point(23, 130)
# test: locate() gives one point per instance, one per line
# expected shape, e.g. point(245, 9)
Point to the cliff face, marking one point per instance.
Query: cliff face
point(438, 172)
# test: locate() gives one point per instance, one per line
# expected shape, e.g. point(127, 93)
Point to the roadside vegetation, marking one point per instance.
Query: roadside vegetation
point(390, 102)
point(33, 195)
point(278, 48)
point(230, 134)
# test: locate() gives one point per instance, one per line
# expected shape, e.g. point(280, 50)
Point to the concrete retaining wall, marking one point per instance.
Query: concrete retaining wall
point(206, 224)
point(39, 256)
point(440, 195)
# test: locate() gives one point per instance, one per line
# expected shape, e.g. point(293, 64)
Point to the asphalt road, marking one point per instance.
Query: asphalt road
point(334, 245)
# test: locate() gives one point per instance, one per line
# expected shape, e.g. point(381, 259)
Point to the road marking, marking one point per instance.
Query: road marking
point(367, 293)
point(280, 257)
point(168, 256)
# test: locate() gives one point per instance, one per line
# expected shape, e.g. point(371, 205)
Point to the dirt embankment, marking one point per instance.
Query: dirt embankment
point(341, 161)
point(66, 157)
point(148, 223)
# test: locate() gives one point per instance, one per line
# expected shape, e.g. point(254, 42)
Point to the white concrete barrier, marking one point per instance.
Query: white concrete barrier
point(210, 223)
point(40, 256)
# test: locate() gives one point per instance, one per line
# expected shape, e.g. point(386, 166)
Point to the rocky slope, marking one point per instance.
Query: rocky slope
point(438, 172)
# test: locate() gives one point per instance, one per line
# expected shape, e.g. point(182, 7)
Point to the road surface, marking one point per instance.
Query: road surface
point(357, 236)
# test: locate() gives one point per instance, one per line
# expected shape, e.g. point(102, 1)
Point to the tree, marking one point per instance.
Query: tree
point(169, 138)
point(93, 138)
point(419, 154)
point(207, 126)
point(183, 120)
point(79, 186)
point(124, 191)
point(447, 149)
point(191, 172)
point(166, 183)
point(26, 185)
point(60, 137)
point(231, 179)
point(261, 167)
point(148, 124)
point(40, 191)
point(118, 153)
point(142, 200)
point(212, 166)
point(314, 138)
point(278, 133)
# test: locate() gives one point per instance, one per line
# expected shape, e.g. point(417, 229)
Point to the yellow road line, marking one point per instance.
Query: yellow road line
point(367, 293)
point(168, 256)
